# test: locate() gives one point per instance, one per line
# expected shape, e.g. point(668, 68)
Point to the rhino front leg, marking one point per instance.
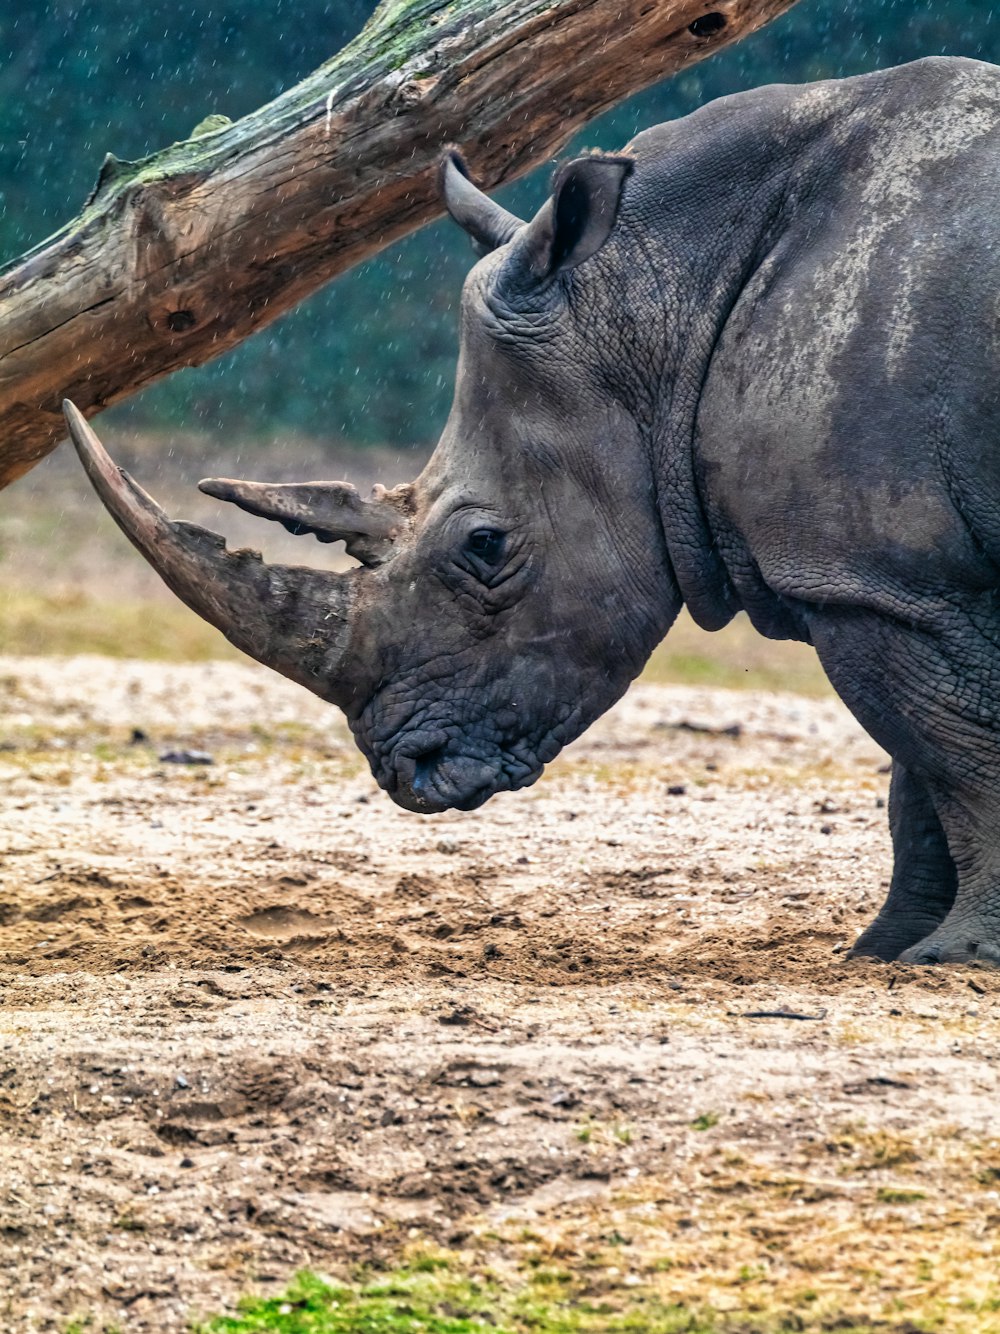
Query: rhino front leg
point(927, 691)
point(924, 879)
point(970, 933)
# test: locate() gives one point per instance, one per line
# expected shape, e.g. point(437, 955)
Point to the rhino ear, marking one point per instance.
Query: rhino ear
point(579, 217)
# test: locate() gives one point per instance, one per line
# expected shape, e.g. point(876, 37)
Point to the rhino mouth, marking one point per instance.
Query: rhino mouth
point(429, 774)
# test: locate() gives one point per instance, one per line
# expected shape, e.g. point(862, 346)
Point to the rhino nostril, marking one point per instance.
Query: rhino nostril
point(425, 764)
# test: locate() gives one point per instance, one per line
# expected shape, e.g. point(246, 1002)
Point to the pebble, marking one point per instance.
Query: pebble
point(186, 757)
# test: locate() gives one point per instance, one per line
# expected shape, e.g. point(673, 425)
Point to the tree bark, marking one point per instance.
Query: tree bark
point(178, 257)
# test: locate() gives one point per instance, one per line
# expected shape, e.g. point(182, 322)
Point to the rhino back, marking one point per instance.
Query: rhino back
point(847, 432)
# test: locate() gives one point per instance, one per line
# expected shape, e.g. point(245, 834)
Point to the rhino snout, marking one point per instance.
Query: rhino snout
point(425, 777)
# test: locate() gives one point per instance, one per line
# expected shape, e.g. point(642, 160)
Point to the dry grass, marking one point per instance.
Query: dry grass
point(61, 619)
point(737, 657)
point(909, 1244)
point(70, 583)
point(66, 620)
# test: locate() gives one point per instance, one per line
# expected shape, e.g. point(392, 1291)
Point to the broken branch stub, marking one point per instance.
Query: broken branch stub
point(177, 258)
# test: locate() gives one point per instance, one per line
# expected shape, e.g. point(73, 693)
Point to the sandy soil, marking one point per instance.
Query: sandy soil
point(255, 1018)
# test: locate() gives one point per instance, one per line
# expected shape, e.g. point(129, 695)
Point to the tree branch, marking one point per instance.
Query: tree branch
point(178, 257)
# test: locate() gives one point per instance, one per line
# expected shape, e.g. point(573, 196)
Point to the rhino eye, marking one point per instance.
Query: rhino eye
point(486, 544)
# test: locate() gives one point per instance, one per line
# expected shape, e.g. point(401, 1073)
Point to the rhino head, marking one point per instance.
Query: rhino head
point(506, 597)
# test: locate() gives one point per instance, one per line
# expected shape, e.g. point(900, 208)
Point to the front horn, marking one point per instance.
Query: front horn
point(288, 617)
point(489, 225)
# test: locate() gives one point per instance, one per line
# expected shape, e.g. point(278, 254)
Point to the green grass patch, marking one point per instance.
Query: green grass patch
point(894, 1195)
point(439, 1300)
point(706, 1121)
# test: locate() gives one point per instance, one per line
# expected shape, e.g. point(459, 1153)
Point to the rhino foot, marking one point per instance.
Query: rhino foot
point(892, 933)
point(924, 880)
point(958, 942)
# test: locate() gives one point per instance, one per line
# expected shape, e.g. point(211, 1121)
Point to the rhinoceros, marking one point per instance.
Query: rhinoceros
point(752, 362)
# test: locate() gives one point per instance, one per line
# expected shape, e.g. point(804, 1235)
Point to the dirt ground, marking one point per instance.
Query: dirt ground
point(255, 1018)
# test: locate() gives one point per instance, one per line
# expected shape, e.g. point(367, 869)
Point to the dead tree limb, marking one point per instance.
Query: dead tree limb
point(178, 257)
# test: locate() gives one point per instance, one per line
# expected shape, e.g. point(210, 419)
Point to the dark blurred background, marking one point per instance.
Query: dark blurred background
point(369, 360)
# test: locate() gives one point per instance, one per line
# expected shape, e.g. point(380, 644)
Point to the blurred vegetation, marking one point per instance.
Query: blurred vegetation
point(69, 620)
point(371, 358)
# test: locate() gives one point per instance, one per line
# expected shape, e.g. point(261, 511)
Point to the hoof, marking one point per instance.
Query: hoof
point(922, 953)
point(955, 947)
point(892, 933)
point(868, 950)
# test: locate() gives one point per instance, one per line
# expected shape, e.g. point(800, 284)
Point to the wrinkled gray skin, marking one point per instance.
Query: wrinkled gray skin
point(751, 365)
